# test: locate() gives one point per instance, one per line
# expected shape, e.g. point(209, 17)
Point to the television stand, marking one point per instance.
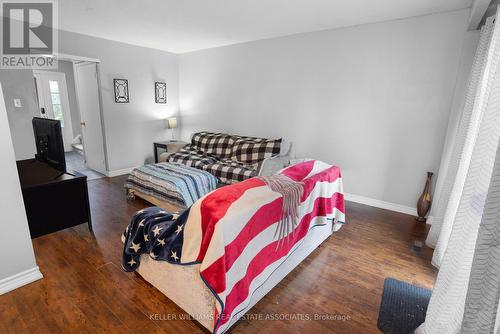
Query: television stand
point(53, 200)
point(61, 174)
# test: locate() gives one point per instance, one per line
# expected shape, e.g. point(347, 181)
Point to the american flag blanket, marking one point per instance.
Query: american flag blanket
point(239, 233)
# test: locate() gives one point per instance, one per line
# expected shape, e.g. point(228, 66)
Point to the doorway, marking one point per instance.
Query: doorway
point(53, 100)
point(71, 94)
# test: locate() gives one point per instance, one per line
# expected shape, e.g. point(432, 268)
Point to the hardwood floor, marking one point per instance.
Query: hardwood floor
point(84, 289)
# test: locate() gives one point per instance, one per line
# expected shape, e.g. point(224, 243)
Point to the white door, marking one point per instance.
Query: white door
point(53, 98)
point(87, 92)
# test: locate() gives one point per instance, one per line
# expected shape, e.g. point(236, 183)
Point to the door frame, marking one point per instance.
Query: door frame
point(76, 59)
point(100, 113)
point(41, 92)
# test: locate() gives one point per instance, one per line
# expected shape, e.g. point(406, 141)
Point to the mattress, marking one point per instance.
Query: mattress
point(182, 283)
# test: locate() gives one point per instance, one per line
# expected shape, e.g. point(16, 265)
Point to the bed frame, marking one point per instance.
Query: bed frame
point(184, 286)
point(132, 194)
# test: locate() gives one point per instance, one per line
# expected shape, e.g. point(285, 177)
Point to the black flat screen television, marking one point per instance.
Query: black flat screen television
point(49, 143)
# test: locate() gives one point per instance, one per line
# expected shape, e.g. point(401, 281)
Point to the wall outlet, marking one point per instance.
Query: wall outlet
point(17, 103)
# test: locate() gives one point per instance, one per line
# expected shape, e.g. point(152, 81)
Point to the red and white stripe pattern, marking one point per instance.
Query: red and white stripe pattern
point(231, 231)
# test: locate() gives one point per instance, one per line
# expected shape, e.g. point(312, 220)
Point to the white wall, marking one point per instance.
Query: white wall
point(131, 127)
point(373, 99)
point(17, 251)
point(19, 84)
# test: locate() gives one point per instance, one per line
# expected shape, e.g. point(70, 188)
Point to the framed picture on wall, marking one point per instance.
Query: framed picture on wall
point(160, 92)
point(121, 90)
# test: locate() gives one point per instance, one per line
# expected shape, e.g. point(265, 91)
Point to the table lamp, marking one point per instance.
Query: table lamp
point(171, 123)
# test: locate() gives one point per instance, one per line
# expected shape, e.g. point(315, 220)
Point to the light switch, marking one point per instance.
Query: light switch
point(17, 103)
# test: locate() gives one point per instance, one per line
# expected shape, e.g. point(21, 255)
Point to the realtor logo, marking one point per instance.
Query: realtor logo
point(29, 37)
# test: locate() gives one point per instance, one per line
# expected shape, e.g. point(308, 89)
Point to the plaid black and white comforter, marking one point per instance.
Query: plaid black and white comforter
point(228, 171)
point(230, 158)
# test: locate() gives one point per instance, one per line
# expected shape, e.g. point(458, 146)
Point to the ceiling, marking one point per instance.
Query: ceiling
point(187, 25)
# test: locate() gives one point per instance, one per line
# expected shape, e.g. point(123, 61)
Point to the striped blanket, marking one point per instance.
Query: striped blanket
point(232, 232)
point(176, 184)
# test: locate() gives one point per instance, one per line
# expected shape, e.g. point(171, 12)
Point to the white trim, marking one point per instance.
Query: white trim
point(348, 197)
point(20, 279)
point(64, 56)
point(118, 172)
point(381, 204)
point(429, 220)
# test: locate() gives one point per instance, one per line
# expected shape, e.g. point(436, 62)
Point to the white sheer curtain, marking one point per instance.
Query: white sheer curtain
point(454, 171)
point(459, 213)
point(481, 303)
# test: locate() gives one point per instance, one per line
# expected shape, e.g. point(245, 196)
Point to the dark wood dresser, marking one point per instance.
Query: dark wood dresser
point(53, 200)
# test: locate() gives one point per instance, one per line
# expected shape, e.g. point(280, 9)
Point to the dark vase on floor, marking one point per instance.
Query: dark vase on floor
point(425, 200)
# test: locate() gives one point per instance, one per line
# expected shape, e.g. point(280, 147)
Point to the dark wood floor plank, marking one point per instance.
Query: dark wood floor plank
point(85, 290)
point(11, 320)
point(101, 317)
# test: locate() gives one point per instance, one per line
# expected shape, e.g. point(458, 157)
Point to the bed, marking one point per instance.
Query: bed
point(169, 186)
point(183, 285)
point(222, 255)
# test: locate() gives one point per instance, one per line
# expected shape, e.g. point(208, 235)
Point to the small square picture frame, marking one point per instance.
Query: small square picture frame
point(121, 90)
point(160, 92)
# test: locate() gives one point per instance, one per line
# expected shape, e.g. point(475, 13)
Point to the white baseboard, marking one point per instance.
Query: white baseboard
point(348, 197)
point(18, 280)
point(429, 221)
point(381, 204)
point(118, 172)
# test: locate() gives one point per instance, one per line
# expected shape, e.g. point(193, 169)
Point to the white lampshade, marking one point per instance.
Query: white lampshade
point(171, 123)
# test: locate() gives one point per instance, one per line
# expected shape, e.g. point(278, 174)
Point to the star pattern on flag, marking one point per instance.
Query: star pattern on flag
point(146, 240)
point(179, 229)
point(135, 247)
point(156, 230)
